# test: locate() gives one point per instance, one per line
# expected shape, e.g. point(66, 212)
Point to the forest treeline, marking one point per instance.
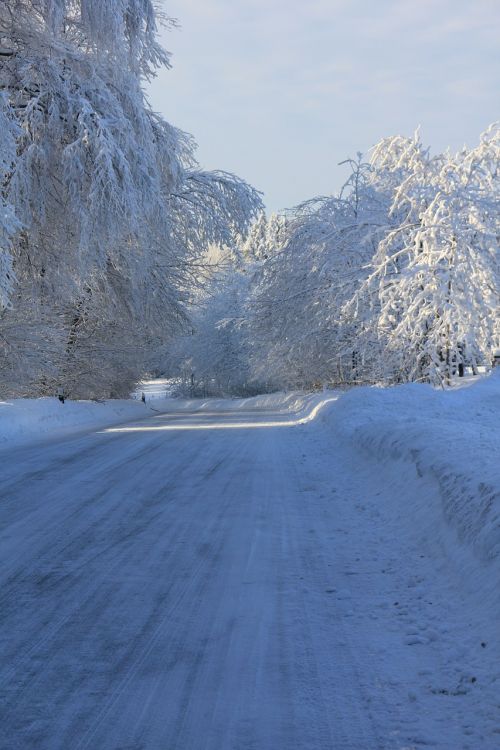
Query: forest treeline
point(120, 256)
point(395, 279)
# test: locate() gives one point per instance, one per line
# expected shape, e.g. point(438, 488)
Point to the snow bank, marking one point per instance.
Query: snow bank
point(440, 452)
point(24, 421)
point(289, 403)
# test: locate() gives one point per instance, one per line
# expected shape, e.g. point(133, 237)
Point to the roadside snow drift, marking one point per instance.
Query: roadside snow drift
point(440, 450)
point(24, 421)
point(28, 420)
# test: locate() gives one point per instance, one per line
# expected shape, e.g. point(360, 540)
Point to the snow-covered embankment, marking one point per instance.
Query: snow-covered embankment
point(24, 420)
point(439, 454)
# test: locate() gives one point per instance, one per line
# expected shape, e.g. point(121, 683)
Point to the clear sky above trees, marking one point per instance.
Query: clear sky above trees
point(280, 92)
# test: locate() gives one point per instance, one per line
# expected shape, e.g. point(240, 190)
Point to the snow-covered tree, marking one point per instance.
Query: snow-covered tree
point(212, 358)
point(300, 335)
point(105, 213)
point(265, 238)
point(396, 278)
point(9, 223)
point(435, 274)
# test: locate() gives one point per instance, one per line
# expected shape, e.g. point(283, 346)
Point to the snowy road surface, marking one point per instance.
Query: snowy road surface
point(226, 581)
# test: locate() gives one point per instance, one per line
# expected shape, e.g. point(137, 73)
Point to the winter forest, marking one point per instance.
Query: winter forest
point(121, 258)
point(249, 476)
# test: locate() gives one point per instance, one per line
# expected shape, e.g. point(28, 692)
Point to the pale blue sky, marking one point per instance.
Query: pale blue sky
point(280, 92)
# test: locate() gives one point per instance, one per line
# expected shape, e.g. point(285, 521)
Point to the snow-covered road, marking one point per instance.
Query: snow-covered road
point(222, 581)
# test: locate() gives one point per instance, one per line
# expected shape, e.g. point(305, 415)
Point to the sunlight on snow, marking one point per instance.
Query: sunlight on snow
point(229, 425)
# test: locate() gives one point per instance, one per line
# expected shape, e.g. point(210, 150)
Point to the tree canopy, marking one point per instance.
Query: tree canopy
point(104, 210)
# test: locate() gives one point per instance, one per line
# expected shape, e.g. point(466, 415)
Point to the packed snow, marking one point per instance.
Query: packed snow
point(323, 574)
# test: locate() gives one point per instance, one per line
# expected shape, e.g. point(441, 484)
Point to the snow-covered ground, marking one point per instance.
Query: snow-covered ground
point(28, 421)
point(428, 511)
point(445, 449)
point(291, 571)
point(24, 421)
